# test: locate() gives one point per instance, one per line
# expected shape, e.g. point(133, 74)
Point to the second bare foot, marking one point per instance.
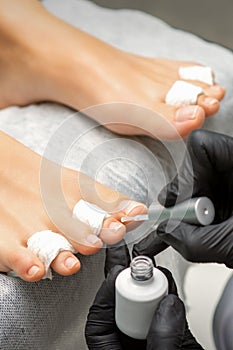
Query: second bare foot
point(25, 210)
point(44, 59)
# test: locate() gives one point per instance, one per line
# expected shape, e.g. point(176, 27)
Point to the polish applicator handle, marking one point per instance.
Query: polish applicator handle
point(197, 211)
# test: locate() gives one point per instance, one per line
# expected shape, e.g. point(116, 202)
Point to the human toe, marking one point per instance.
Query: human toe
point(25, 264)
point(66, 263)
point(132, 208)
point(88, 245)
point(177, 122)
point(216, 91)
point(209, 104)
point(113, 230)
point(188, 118)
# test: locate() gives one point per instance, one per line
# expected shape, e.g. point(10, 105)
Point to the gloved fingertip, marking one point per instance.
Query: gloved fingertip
point(172, 288)
point(168, 325)
point(116, 255)
point(161, 228)
point(168, 195)
point(114, 272)
point(167, 227)
point(150, 246)
point(172, 301)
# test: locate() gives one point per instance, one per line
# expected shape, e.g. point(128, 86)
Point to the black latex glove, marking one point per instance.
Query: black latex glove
point(168, 331)
point(208, 167)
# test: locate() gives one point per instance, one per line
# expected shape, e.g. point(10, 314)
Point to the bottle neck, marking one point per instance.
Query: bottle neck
point(142, 268)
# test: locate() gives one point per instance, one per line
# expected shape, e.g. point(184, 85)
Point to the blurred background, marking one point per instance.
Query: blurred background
point(210, 19)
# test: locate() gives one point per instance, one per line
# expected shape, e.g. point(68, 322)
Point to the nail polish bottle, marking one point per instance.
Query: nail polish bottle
point(139, 289)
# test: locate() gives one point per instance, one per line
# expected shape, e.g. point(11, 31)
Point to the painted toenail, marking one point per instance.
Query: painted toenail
point(33, 270)
point(70, 262)
point(217, 88)
point(116, 226)
point(186, 113)
point(92, 239)
point(210, 100)
point(129, 206)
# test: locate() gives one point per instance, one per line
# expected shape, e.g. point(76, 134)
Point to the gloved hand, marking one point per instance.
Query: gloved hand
point(208, 167)
point(169, 328)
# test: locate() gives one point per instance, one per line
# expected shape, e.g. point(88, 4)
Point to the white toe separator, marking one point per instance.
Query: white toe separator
point(182, 93)
point(47, 245)
point(199, 73)
point(90, 214)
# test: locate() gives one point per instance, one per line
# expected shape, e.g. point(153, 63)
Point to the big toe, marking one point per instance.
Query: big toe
point(177, 122)
point(113, 230)
point(188, 118)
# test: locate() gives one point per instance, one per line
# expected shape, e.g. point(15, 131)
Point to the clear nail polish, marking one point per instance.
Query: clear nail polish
point(186, 113)
point(216, 87)
point(33, 270)
point(92, 239)
point(129, 206)
point(210, 101)
point(116, 226)
point(70, 262)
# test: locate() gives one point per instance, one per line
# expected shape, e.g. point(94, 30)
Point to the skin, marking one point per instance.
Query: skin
point(24, 211)
point(35, 66)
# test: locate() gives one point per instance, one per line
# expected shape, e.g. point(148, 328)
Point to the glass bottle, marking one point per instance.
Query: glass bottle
point(139, 289)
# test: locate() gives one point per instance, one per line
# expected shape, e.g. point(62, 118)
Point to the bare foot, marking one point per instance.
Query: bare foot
point(42, 58)
point(24, 211)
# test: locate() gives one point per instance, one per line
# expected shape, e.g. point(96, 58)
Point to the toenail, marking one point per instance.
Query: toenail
point(217, 88)
point(129, 206)
point(186, 113)
point(210, 100)
point(33, 270)
point(116, 226)
point(93, 239)
point(70, 262)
